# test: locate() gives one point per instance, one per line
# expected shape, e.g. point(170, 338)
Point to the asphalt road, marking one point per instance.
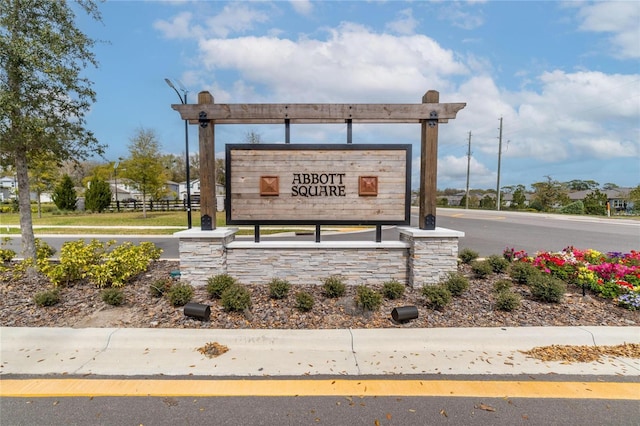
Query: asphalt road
point(327, 410)
point(487, 232)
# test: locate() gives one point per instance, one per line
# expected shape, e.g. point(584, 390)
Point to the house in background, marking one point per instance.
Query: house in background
point(618, 198)
point(195, 193)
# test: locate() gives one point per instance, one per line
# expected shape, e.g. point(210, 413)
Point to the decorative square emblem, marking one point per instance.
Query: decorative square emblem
point(269, 185)
point(368, 186)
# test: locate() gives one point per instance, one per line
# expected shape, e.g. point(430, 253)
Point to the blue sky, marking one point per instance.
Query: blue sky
point(564, 76)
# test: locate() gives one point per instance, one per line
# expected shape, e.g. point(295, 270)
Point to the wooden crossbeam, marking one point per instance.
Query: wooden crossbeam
point(317, 113)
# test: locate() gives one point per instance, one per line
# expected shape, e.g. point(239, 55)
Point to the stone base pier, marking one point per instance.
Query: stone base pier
point(419, 258)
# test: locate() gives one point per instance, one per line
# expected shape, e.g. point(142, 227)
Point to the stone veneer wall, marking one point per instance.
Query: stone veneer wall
point(419, 258)
point(361, 263)
point(432, 254)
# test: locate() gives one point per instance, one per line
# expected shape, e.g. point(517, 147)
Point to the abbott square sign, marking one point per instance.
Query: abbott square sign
point(318, 184)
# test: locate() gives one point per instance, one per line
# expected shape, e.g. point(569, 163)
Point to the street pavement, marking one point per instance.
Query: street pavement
point(341, 352)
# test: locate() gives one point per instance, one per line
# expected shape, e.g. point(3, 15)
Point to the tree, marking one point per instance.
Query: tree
point(519, 199)
point(607, 186)
point(252, 137)
point(595, 203)
point(43, 174)
point(549, 195)
point(43, 97)
point(145, 168)
point(64, 195)
point(488, 202)
point(582, 185)
point(221, 172)
point(634, 198)
point(97, 197)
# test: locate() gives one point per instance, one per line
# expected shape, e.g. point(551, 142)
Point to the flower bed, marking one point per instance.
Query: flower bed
point(612, 275)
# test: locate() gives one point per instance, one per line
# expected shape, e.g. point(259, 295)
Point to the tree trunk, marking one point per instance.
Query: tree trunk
point(24, 201)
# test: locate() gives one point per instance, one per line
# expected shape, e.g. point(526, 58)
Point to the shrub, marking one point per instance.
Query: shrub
point(217, 284)
point(547, 288)
point(507, 300)
point(481, 268)
point(236, 298)
point(47, 297)
point(437, 295)
point(501, 285)
point(498, 263)
point(278, 289)
point(7, 255)
point(456, 283)
point(393, 289)
point(180, 294)
point(522, 272)
point(160, 287)
point(467, 255)
point(368, 299)
point(304, 301)
point(112, 296)
point(333, 287)
point(577, 207)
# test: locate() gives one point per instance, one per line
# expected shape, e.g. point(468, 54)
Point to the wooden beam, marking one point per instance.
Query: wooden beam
point(428, 166)
point(317, 113)
point(207, 142)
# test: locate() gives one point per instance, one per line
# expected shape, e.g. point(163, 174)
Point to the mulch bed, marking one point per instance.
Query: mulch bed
point(82, 306)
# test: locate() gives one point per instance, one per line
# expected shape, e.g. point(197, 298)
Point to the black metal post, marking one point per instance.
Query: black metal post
point(186, 146)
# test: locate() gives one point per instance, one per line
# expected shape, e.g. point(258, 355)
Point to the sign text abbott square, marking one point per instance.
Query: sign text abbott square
point(318, 184)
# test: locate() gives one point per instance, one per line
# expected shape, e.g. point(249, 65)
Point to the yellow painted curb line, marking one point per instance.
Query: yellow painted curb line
point(41, 388)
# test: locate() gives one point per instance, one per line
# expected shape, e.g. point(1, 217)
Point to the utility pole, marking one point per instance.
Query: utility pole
point(466, 201)
point(499, 158)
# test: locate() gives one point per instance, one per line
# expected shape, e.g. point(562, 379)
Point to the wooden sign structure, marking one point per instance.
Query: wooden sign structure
point(429, 114)
point(280, 184)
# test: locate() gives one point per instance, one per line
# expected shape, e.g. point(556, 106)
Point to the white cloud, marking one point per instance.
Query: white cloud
point(303, 7)
point(466, 20)
point(235, 18)
point(621, 19)
point(179, 27)
point(405, 23)
point(353, 64)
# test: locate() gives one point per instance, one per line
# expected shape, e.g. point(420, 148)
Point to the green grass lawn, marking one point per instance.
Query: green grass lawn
point(95, 223)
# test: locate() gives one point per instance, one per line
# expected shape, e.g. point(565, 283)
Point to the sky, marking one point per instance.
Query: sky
point(564, 77)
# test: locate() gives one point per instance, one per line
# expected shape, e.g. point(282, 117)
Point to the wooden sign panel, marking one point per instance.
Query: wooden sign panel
point(318, 184)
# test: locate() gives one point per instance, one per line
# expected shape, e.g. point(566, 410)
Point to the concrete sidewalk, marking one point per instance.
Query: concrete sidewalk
point(462, 351)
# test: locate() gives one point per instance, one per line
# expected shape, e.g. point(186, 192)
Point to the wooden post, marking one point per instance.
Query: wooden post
point(207, 143)
point(428, 166)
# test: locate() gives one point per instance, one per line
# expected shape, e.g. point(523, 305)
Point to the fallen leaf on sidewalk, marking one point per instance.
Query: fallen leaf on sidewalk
point(213, 349)
point(485, 407)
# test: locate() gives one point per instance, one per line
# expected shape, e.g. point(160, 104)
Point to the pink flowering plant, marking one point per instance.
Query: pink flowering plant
point(612, 275)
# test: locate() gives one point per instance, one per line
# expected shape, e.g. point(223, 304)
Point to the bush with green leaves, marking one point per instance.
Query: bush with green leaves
point(159, 287)
point(98, 196)
point(101, 265)
point(502, 285)
point(304, 301)
point(279, 289)
point(522, 272)
point(64, 195)
point(467, 255)
point(6, 255)
point(180, 294)
point(112, 296)
point(47, 297)
point(393, 289)
point(438, 296)
point(456, 283)
point(577, 207)
point(236, 298)
point(333, 287)
point(368, 299)
point(507, 300)
point(481, 268)
point(547, 288)
point(498, 263)
point(217, 284)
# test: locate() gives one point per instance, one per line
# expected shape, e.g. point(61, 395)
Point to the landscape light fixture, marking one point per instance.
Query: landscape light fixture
point(197, 310)
point(404, 313)
point(183, 100)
